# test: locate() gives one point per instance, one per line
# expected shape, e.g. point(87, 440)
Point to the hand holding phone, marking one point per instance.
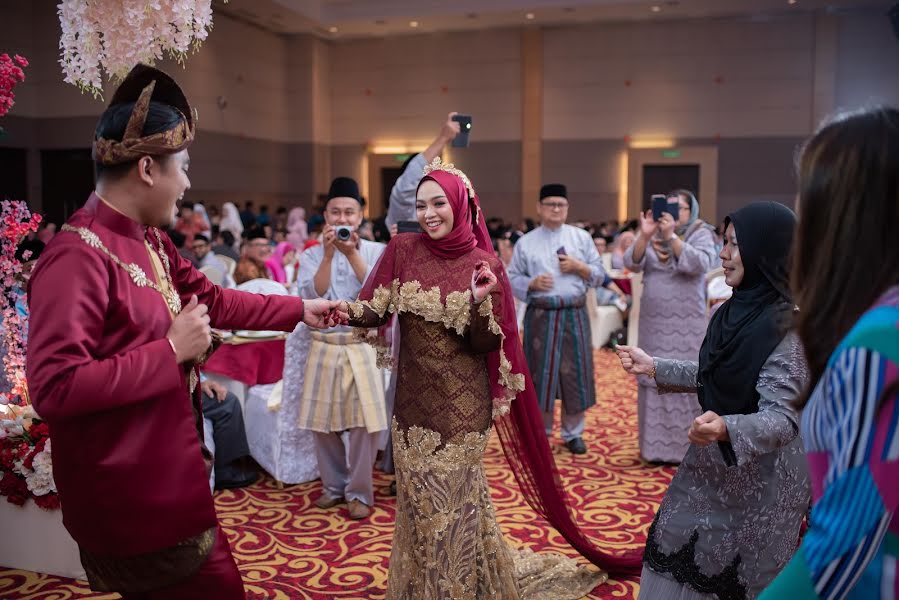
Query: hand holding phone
point(661, 205)
point(461, 140)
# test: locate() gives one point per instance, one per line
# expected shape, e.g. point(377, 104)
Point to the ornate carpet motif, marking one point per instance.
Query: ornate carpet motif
point(288, 549)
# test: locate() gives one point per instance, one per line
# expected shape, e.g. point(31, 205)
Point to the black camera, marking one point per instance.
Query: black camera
point(343, 232)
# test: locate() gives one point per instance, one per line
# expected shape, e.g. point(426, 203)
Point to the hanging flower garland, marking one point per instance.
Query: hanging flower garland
point(114, 35)
point(11, 74)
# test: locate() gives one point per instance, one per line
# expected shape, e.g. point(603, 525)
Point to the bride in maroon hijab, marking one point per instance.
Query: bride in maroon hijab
point(461, 367)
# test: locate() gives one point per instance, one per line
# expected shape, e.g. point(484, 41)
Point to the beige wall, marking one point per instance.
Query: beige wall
point(673, 70)
point(396, 90)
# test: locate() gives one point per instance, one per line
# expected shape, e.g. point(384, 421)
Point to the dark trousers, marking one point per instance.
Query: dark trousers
point(227, 429)
point(218, 577)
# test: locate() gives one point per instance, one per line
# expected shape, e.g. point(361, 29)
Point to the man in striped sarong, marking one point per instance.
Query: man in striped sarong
point(343, 390)
point(552, 268)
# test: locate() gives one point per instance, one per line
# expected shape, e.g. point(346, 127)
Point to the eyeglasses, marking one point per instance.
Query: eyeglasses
point(555, 205)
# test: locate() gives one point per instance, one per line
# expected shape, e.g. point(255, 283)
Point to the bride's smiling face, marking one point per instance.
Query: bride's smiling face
point(435, 215)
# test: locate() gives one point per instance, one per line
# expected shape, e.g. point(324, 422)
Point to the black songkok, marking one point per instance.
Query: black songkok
point(345, 187)
point(553, 189)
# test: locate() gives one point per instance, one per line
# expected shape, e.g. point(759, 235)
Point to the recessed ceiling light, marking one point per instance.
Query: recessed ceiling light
point(656, 9)
point(529, 16)
point(332, 29)
point(413, 23)
point(791, 1)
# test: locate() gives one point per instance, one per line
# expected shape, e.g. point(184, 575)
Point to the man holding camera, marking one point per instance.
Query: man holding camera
point(343, 388)
point(552, 268)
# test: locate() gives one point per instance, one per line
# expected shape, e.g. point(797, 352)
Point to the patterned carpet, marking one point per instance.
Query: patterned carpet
point(288, 549)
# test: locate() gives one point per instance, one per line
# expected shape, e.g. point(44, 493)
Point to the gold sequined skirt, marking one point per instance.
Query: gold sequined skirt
point(447, 544)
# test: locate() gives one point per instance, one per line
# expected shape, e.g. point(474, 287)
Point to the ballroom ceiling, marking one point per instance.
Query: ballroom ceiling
point(344, 19)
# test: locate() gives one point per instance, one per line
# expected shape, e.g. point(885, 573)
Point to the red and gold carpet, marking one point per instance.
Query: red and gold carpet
point(288, 549)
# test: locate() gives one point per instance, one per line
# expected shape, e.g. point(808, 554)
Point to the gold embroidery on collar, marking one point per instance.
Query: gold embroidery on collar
point(140, 279)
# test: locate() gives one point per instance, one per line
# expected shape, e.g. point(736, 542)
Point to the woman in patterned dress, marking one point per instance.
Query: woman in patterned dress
point(459, 367)
point(730, 519)
point(674, 258)
point(849, 201)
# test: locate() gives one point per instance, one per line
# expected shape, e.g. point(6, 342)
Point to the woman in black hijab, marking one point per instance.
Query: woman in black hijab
point(730, 520)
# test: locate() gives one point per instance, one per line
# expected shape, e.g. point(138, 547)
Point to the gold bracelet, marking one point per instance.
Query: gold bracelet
point(652, 373)
point(172, 344)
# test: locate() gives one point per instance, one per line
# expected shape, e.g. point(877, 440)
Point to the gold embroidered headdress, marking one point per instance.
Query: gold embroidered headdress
point(143, 84)
point(439, 165)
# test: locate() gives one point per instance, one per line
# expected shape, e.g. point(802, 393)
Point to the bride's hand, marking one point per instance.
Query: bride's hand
point(483, 281)
point(321, 313)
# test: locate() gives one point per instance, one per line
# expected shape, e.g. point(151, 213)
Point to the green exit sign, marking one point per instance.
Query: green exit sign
point(670, 153)
point(401, 158)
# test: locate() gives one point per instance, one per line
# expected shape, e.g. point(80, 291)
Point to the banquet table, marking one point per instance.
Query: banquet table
point(242, 362)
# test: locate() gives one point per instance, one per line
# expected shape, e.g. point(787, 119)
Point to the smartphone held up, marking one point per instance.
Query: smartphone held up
point(661, 204)
point(461, 140)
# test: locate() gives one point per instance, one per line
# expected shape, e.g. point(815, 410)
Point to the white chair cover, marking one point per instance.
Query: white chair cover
point(265, 287)
point(277, 443)
point(603, 320)
point(229, 263)
point(717, 290)
point(633, 316)
point(213, 275)
point(210, 445)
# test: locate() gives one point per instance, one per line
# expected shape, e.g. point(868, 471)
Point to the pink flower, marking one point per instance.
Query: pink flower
point(16, 221)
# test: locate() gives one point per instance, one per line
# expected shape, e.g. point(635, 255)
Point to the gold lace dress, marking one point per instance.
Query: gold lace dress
point(447, 544)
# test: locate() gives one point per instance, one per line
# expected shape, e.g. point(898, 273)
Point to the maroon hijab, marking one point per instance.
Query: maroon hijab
point(520, 427)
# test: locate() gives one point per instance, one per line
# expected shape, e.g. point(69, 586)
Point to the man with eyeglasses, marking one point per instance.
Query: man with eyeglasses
point(255, 250)
point(206, 258)
point(552, 268)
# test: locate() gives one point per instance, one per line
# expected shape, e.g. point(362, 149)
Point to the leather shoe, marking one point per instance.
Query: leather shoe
point(358, 510)
point(576, 446)
point(234, 479)
point(324, 501)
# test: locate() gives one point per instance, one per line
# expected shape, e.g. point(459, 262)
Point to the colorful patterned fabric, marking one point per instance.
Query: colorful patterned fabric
point(851, 432)
point(557, 344)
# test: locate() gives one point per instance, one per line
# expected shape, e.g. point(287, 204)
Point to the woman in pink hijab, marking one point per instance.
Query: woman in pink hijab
point(296, 227)
point(282, 263)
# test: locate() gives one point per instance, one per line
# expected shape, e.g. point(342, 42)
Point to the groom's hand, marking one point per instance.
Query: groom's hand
point(321, 313)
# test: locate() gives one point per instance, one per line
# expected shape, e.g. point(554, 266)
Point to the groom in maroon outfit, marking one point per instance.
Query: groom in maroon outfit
point(119, 321)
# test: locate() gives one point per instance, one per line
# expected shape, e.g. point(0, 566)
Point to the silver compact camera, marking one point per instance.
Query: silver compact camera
point(343, 232)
